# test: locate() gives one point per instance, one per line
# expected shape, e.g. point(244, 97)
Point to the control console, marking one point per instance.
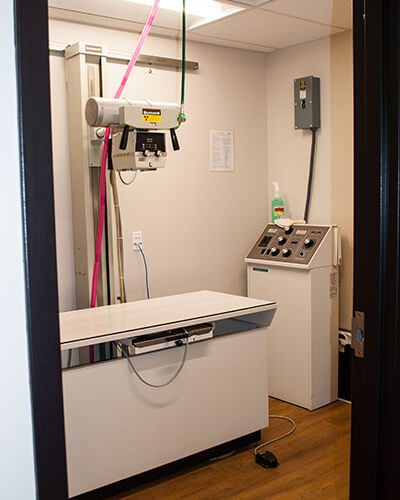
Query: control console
point(296, 244)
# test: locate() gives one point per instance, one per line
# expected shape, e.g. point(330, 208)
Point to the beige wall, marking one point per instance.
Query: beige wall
point(197, 225)
point(342, 163)
point(289, 149)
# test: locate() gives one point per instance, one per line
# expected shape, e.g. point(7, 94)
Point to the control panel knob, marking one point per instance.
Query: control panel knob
point(158, 153)
point(286, 252)
point(274, 251)
point(289, 230)
point(282, 240)
point(146, 153)
point(308, 243)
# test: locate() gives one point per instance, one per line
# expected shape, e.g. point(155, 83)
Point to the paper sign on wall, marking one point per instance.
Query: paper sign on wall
point(221, 150)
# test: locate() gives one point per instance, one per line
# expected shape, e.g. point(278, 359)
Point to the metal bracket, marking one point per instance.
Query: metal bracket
point(358, 334)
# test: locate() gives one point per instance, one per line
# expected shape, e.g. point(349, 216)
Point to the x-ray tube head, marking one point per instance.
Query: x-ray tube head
point(147, 115)
point(102, 112)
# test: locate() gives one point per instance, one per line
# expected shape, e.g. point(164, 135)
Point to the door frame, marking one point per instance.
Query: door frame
point(34, 121)
point(376, 377)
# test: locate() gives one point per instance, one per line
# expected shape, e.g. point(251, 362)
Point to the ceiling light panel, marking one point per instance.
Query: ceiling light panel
point(199, 12)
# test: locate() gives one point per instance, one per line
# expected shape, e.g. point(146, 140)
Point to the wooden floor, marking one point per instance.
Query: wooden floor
point(314, 464)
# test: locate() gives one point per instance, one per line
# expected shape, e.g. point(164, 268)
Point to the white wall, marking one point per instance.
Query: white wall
point(16, 448)
point(197, 225)
point(289, 149)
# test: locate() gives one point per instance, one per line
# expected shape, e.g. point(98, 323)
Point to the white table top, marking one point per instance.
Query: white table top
point(102, 324)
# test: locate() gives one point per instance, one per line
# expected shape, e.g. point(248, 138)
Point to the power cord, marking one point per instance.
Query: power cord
point(310, 174)
point(124, 353)
point(146, 271)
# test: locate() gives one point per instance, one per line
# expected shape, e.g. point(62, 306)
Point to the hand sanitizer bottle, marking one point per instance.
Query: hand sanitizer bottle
point(277, 203)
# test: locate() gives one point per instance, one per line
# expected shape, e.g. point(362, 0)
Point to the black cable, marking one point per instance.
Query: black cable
point(310, 175)
point(69, 359)
point(124, 352)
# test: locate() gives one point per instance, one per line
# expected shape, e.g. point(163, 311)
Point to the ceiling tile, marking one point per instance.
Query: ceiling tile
point(108, 22)
point(228, 43)
point(332, 12)
point(261, 27)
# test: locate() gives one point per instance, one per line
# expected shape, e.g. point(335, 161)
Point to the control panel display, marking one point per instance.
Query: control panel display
point(295, 244)
point(150, 141)
point(264, 242)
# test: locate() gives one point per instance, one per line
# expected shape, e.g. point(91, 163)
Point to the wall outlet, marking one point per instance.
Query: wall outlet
point(137, 239)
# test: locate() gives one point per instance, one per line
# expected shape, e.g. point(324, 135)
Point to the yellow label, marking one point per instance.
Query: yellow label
point(151, 115)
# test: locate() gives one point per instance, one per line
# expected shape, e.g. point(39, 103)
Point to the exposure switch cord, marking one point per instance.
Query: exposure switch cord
point(262, 445)
point(149, 384)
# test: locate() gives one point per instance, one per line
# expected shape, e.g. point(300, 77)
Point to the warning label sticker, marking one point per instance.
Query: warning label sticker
point(151, 115)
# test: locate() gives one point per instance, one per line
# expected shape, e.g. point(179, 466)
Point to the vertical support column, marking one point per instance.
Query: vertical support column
point(84, 80)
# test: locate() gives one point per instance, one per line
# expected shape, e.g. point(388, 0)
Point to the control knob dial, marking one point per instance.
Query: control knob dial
point(308, 243)
point(286, 252)
point(274, 251)
point(282, 240)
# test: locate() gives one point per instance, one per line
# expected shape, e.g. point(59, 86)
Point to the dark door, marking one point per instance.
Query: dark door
point(375, 380)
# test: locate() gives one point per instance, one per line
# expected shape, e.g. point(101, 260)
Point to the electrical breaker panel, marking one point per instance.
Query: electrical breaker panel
point(307, 110)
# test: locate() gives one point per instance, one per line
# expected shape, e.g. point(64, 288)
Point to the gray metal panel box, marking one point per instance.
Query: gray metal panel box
point(307, 111)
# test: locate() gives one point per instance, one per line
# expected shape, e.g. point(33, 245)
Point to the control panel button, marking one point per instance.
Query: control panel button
point(274, 251)
point(286, 252)
point(289, 230)
point(308, 243)
point(282, 240)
